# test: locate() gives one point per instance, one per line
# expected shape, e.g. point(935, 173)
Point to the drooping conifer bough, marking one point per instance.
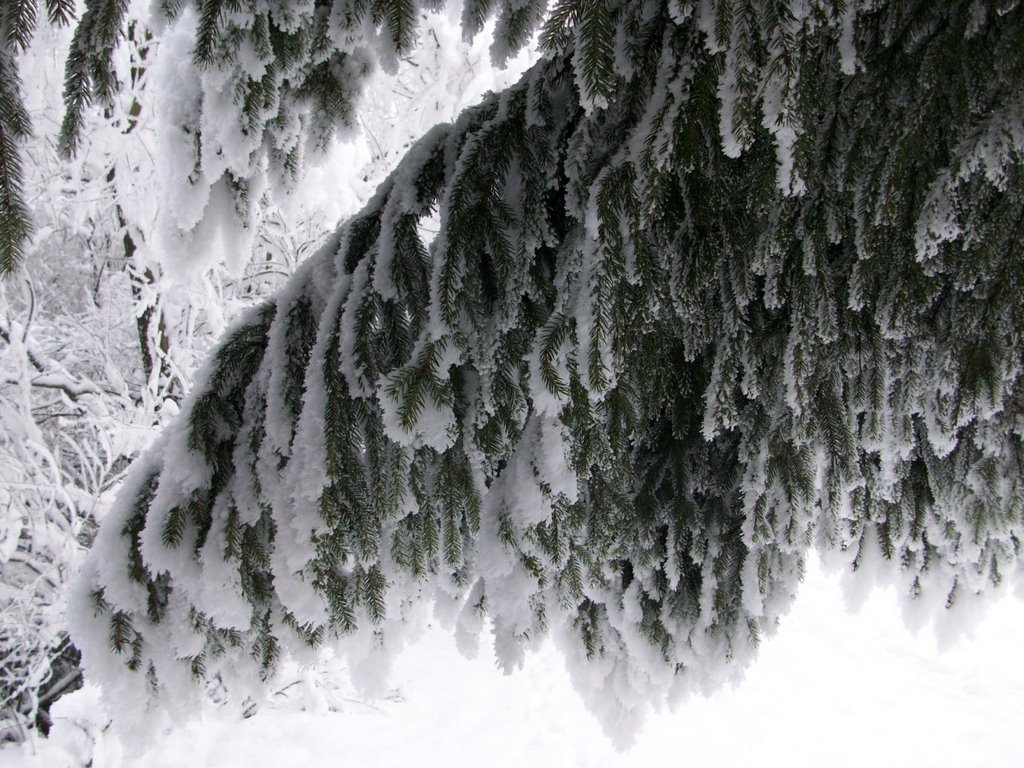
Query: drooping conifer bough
point(715, 285)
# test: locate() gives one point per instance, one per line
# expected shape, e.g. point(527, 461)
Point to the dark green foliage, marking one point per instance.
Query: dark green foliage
point(14, 126)
point(516, 23)
point(89, 75)
point(595, 48)
point(17, 24)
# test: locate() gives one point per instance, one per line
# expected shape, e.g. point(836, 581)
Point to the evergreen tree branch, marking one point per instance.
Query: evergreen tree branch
point(640, 373)
point(15, 224)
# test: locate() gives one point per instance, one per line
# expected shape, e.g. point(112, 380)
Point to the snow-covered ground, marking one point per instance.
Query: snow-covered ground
point(834, 687)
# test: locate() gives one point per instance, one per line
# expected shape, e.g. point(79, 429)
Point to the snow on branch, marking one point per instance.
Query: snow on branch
point(670, 336)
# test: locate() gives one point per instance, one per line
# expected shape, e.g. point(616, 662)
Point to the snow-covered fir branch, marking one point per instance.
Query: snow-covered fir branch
point(712, 285)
